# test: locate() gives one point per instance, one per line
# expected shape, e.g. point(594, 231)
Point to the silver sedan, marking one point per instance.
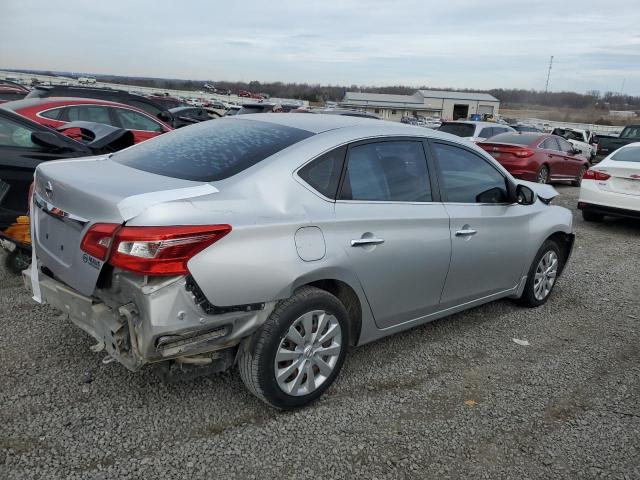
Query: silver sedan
point(275, 242)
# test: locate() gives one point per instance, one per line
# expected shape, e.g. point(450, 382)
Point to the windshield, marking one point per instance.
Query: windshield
point(458, 129)
point(628, 154)
point(631, 132)
point(568, 134)
point(210, 151)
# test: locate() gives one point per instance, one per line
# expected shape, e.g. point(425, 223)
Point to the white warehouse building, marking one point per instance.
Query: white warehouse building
point(429, 103)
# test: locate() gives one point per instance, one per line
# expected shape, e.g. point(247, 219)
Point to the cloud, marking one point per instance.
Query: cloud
point(462, 43)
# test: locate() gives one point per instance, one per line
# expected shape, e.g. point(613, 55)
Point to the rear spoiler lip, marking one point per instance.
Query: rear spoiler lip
point(104, 135)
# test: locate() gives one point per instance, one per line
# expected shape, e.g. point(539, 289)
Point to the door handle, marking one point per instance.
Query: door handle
point(359, 242)
point(465, 233)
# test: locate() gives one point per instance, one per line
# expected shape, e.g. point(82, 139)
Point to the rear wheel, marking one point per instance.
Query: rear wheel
point(542, 275)
point(578, 181)
point(589, 216)
point(543, 174)
point(299, 351)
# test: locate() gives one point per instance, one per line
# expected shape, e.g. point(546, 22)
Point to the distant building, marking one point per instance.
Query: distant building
point(428, 103)
point(622, 113)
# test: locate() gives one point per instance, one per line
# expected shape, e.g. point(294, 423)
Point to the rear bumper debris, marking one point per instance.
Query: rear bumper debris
point(140, 323)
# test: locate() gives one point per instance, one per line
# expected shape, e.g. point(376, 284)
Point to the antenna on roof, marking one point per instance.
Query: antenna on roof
point(546, 87)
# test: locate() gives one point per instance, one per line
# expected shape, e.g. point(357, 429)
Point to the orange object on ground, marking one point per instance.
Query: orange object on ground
point(20, 231)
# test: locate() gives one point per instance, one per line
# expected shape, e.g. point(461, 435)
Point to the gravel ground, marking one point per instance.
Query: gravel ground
point(456, 398)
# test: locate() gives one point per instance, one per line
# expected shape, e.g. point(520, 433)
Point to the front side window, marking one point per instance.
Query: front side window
point(13, 134)
point(387, 171)
point(469, 178)
point(565, 146)
point(89, 113)
point(150, 109)
point(323, 173)
point(136, 121)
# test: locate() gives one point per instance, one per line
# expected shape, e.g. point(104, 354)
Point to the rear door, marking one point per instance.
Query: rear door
point(553, 156)
point(487, 232)
point(393, 228)
point(571, 164)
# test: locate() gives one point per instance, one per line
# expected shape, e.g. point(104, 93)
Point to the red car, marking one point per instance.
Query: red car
point(537, 157)
point(56, 111)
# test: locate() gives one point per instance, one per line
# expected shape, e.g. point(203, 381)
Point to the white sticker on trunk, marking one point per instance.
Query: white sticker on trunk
point(136, 204)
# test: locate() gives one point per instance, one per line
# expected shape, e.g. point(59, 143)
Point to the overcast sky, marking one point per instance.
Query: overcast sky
point(444, 43)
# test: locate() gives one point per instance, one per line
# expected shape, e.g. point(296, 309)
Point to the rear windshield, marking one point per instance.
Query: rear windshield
point(629, 154)
point(254, 109)
point(210, 151)
point(513, 138)
point(458, 129)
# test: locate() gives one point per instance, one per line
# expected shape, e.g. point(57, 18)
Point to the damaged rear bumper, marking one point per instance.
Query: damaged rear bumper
point(139, 321)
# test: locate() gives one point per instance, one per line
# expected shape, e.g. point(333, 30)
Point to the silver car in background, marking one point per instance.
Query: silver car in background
point(277, 241)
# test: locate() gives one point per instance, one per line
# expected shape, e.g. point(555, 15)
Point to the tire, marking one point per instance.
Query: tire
point(257, 362)
point(589, 216)
point(17, 261)
point(530, 297)
point(578, 181)
point(543, 175)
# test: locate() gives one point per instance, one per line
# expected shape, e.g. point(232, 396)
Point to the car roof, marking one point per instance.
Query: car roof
point(61, 101)
point(476, 122)
point(314, 123)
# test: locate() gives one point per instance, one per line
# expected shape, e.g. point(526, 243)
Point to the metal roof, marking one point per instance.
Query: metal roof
point(411, 101)
point(458, 95)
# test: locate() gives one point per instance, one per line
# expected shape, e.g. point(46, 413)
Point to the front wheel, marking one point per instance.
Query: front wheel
point(299, 351)
point(542, 275)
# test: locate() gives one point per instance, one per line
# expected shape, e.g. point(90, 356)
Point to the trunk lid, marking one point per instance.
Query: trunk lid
point(625, 177)
point(70, 196)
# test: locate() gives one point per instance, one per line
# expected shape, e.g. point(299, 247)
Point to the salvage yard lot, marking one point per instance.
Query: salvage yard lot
point(457, 398)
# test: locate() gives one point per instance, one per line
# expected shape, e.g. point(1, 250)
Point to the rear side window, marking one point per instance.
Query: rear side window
point(487, 132)
point(210, 151)
point(387, 171)
point(468, 178)
point(323, 174)
point(53, 114)
point(550, 144)
point(628, 154)
point(458, 129)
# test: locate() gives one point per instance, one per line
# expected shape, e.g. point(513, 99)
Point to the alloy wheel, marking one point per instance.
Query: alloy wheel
point(543, 175)
point(308, 353)
point(545, 276)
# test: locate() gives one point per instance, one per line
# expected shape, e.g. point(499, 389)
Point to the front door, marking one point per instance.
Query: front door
point(487, 233)
point(393, 229)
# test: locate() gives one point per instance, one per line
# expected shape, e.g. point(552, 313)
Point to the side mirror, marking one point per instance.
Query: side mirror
point(525, 196)
point(48, 140)
point(166, 117)
point(576, 151)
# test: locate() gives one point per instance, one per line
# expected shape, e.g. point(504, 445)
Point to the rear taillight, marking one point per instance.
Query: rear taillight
point(595, 175)
point(150, 250)
point(98, 238)
point(523, 152)
point(162, 250)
